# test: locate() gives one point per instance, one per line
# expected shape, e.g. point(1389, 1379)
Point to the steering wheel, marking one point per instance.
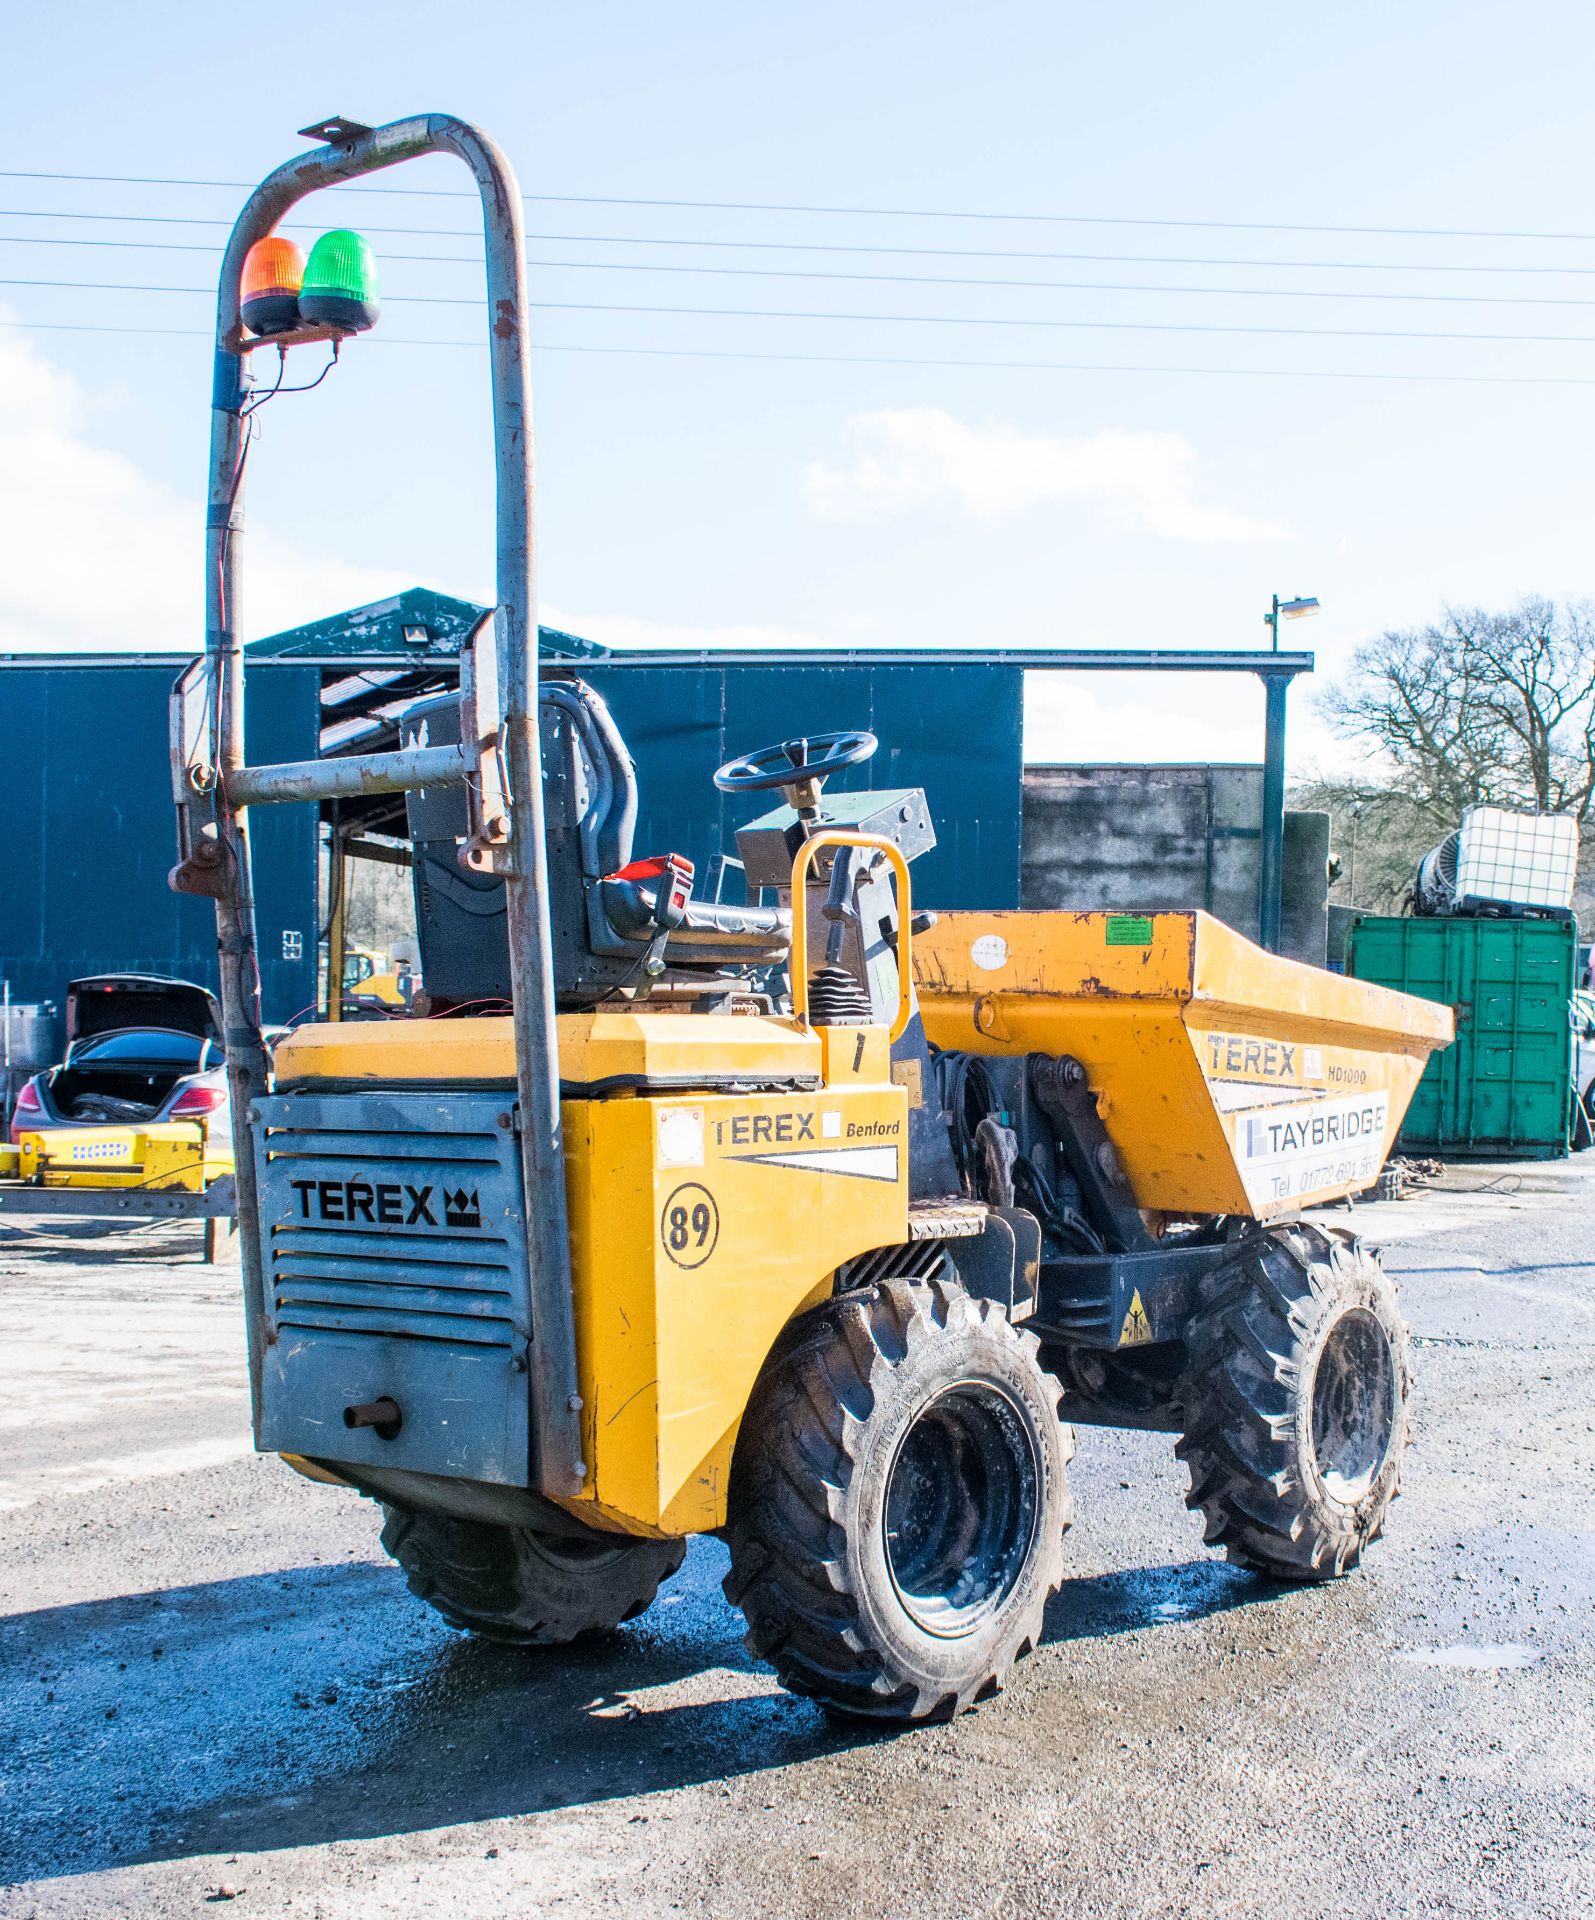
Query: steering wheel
point(795, 763)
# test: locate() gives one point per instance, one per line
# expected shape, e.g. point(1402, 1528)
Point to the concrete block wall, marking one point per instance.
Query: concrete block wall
point(1171, 837)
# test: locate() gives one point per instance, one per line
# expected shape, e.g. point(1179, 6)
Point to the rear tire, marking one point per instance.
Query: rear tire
point(898, 1501)
point(522, 1588)
point(1296, 1404)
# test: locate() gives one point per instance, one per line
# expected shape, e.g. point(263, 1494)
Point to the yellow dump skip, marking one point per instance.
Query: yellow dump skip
point(1230, 1080)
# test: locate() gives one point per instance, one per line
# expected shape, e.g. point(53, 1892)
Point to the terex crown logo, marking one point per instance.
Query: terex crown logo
point(462, 1209)
point(386, 1203)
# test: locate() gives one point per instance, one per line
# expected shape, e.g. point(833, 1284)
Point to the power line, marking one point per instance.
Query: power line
point(896, 319)
point(880, 279)
point(881, 360)
point(824, 246)
point(873, 213)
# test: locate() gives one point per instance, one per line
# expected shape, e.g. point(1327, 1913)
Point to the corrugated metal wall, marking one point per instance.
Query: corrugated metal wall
point(88, 835)
point(1505, 1084)
point(955, 731)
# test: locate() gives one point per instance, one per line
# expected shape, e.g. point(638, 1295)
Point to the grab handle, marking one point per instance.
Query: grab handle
point(799, 963)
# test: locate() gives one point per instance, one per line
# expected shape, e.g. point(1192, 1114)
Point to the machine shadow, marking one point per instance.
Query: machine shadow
point(438, 1730)
point(1143, 1597)
point(58, 1240)
point(322, 1703)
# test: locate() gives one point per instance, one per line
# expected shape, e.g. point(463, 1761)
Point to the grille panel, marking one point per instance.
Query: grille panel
point(351, 1282)
point(395, 1265)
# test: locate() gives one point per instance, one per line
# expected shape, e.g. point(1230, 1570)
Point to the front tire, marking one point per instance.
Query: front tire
point(898, 1502)
point(521, 1588)
point(1296, 1404)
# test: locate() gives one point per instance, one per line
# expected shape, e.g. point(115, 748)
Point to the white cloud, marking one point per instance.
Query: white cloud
point(1160, 718)
point(917, 456)
point(99, 556)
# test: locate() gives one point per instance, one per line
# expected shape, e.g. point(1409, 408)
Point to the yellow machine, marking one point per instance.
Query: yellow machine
point(787, 1223)
point(150, 1170)
point(176, 1155)
point(837, 1266)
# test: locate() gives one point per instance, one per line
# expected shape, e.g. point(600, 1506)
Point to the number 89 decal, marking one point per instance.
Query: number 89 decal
point(689, 1225)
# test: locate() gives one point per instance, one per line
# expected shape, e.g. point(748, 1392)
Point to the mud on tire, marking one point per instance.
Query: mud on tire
point(1296, 1404)
point(523, 1588)
point(898, 1501)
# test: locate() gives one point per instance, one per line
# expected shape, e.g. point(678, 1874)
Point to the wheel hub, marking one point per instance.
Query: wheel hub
point(960, 1512)
point(1354, 1405)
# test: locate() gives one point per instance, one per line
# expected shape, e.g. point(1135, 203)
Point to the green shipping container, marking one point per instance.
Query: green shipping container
point(1505, 1085)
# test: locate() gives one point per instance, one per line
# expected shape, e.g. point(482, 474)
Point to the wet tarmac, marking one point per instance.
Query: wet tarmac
point(215, 1691)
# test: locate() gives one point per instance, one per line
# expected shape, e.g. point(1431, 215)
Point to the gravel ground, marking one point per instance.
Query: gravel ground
point(211, 1679)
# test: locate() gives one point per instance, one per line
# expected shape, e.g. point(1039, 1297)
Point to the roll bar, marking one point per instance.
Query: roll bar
point(214, 788)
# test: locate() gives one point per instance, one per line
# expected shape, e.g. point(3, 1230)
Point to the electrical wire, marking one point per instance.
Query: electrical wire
point(1064, 1222)
point(786, 246)
point(749, 246)
point(886, 279)
point(838, 212)
point(884, 360)
point(896, 319)
point(257, 401)
point(967, 1095)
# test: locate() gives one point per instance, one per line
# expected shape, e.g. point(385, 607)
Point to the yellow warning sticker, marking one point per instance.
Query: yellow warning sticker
point(909, 1074)
point(1137, 1329)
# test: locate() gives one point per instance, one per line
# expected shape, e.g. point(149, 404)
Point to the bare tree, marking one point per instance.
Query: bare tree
point(1480, 707)
point(1378, 834)
point(1476, 708)
point(1539, 686)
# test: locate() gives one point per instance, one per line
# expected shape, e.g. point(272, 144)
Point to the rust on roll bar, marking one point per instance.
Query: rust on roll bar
point(557, 1467)
point(356, 774)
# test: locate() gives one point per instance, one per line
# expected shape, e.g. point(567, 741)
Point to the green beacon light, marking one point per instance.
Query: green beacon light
point(340, 285)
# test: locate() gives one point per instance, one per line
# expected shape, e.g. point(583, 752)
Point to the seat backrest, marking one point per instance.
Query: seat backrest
point(589, 779)
point(590, 814)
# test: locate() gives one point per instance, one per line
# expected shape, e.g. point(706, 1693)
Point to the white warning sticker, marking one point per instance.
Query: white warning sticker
point(1310, 1147)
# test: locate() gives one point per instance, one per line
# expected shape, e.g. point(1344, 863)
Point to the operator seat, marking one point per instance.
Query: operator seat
point(607, 918)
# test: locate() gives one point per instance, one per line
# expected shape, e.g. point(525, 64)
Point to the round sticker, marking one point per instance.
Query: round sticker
point(990, 951)
point(689, 1225)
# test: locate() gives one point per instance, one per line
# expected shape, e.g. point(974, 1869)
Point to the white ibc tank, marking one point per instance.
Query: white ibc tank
point(1516, 859)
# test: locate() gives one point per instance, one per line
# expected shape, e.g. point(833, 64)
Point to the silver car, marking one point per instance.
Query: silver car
point(139, 1048)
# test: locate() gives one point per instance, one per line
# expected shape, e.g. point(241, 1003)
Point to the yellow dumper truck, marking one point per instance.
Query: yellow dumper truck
point(811, 1225)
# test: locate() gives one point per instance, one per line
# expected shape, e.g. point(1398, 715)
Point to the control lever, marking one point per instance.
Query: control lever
point(839, 907)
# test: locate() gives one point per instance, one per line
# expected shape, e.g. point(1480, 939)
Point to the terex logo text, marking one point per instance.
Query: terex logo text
point(384, 1202)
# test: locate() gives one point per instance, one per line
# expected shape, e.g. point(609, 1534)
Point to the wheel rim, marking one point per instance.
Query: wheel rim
point(961, 1508)
point(1354, 1405)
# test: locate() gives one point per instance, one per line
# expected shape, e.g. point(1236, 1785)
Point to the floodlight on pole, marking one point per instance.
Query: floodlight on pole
point(1303, 607)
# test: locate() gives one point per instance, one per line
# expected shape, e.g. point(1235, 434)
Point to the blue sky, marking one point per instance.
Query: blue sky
point(703, 498)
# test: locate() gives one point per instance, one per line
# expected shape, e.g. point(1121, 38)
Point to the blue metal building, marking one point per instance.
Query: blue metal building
point(83, 868)
point(89, 836)
point(90, 833)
